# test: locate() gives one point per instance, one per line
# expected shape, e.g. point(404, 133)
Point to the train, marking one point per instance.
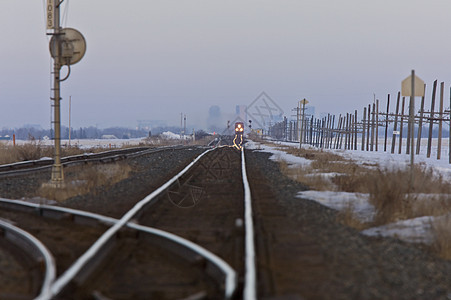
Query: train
point(238, 139)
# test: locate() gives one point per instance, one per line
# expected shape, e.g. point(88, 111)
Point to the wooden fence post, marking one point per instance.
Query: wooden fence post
point(332, 135)
point(393, 142)
point(386, 123)
point(311, 131)
point(368, 126)
point(355, 130)
point(408, 134)
point(328, 135)
point(440, 122)
point(318, 133)
point(431, 120)
point(351, 132)
point(420, 125)
point(363, 128)
point(401, 125)
point(377, 124)
point(337, 144)
point(346, 131)
point(372, 126)
point(343, 124)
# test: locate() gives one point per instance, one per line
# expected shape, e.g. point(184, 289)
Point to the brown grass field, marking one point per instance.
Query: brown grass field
point(390, 191)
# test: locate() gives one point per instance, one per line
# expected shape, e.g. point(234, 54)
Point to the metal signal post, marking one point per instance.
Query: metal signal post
point(67, 47)
point(57, 169)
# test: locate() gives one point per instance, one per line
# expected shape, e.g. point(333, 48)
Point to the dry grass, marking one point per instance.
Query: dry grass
point(395, 199)
point(346, 173)
point(389, 190)
point(85, 179)
point(30, 151)
point(389, 195)
point(441, 229)
point(35, 150)
point(348, 217)
point(305, 176)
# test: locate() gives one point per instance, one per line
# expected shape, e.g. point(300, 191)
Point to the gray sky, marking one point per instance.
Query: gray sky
point(155, 59)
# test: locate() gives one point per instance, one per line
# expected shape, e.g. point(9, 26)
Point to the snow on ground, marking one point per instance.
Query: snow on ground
point(278, 155)
point(102, 143)
point(174, 136)
point(90, 143)
point(341, 200)
point(416, 230)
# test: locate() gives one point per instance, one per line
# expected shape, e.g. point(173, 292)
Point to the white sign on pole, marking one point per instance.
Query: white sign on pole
point(50, 14)
point(406, 87)
point(396, 132)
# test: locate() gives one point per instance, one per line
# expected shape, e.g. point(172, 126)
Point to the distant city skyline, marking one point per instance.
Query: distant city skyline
point(156, 59)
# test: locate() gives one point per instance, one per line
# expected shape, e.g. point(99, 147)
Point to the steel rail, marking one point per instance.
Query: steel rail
point(37, 165)
point(90, 254)
point(230, 276)
point(25, 240)
point(49, 161)
point(250, 282)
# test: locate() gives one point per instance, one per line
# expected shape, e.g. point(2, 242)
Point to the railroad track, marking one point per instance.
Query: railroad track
point(25, 167)
point(198, 263)
point(23, 260)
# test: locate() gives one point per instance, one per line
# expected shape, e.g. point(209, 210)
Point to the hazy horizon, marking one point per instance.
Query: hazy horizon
point(155, 60)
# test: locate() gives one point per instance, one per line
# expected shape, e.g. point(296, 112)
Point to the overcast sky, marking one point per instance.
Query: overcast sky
point(154, 59)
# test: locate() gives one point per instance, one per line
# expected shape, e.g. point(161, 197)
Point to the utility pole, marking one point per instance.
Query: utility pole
point(184, 125)
point(303, 102)
point(181, 125)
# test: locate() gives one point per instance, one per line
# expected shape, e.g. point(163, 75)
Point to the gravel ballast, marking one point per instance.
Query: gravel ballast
point(310, 254)
point(357, 266)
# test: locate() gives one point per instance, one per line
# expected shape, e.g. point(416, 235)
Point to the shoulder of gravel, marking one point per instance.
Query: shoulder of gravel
point(386, 266)
point(149, 172)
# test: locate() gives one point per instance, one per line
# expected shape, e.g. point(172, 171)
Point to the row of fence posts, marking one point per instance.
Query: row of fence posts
point(349, 132)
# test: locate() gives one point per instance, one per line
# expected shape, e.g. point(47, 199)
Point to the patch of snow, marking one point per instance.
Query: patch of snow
point(324, 175)
point(358, 202)
point(417, 230)
point(278, 155)
point(90, 143)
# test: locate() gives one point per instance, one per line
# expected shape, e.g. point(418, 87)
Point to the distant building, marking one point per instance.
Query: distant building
point(214, 120)
point(109, 137)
